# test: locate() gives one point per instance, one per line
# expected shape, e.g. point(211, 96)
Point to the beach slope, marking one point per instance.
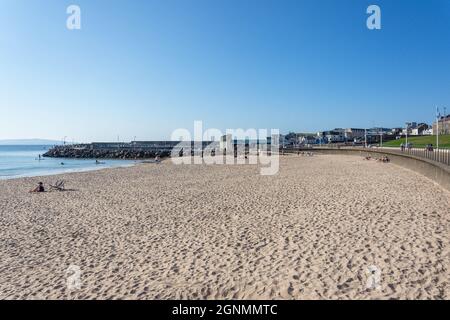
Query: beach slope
point(160, 231)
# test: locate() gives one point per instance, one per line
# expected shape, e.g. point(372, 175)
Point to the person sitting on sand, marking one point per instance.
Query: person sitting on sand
point(383, 159)
point(39, 188)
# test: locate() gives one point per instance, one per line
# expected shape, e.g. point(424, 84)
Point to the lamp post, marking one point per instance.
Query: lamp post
point(437, 127)
point(365, 138)
point(407, 127)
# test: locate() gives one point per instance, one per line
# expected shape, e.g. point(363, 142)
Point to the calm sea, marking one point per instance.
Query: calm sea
point(23, 161)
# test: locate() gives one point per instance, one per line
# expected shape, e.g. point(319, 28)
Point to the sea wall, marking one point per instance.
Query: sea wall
point(88, 152)
point(435, 171)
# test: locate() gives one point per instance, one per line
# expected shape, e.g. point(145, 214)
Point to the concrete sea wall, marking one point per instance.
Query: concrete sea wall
point(440, 173)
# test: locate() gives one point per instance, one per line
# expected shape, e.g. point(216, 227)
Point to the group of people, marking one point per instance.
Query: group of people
point(307, 154)
point(383, 159)
point(404, 146)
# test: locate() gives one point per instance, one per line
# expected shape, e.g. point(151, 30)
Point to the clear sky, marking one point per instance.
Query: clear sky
point(145, 68)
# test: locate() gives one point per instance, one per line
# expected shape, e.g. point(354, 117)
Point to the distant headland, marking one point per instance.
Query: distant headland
point(29, 142)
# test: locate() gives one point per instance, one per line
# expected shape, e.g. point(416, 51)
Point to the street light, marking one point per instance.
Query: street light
point(381, 139)
point(407, 127)
point(365, 138)
point(438, 116)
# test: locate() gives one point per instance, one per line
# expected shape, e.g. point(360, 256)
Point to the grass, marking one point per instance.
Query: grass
point(444, 141)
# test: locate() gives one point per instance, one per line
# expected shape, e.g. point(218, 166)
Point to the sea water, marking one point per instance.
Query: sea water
point(23, 161)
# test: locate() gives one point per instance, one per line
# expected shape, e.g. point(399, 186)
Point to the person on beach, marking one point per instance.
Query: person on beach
point(39, 188)
point(384, 159)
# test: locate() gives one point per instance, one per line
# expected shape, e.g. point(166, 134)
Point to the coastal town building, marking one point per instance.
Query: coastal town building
point(292, 139)
point(419, 129)
point(443, 124)
point(396, 131)
point(409, 127)
point(332, 136)
point(363, 135)
point(309, 139)
point(380, 130)
point(428, 132)
point(354, 133)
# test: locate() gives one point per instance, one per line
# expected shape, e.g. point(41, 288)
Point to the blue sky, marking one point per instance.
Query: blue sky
point(145, 68)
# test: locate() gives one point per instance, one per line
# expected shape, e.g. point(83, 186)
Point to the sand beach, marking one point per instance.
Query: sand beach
point(165, 231)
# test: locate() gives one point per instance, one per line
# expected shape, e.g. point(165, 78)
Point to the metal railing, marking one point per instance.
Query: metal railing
point(437, 155)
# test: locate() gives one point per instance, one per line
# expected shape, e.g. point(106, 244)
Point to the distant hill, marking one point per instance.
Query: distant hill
point(29, 142)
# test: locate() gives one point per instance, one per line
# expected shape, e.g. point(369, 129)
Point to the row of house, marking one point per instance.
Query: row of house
point(340, 135)
point(417, 129)
point(337, 135)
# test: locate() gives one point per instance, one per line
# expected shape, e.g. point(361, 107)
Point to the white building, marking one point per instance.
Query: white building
point(419, 129)
point(332, 136)
point(428, 132)
point(308, 140)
